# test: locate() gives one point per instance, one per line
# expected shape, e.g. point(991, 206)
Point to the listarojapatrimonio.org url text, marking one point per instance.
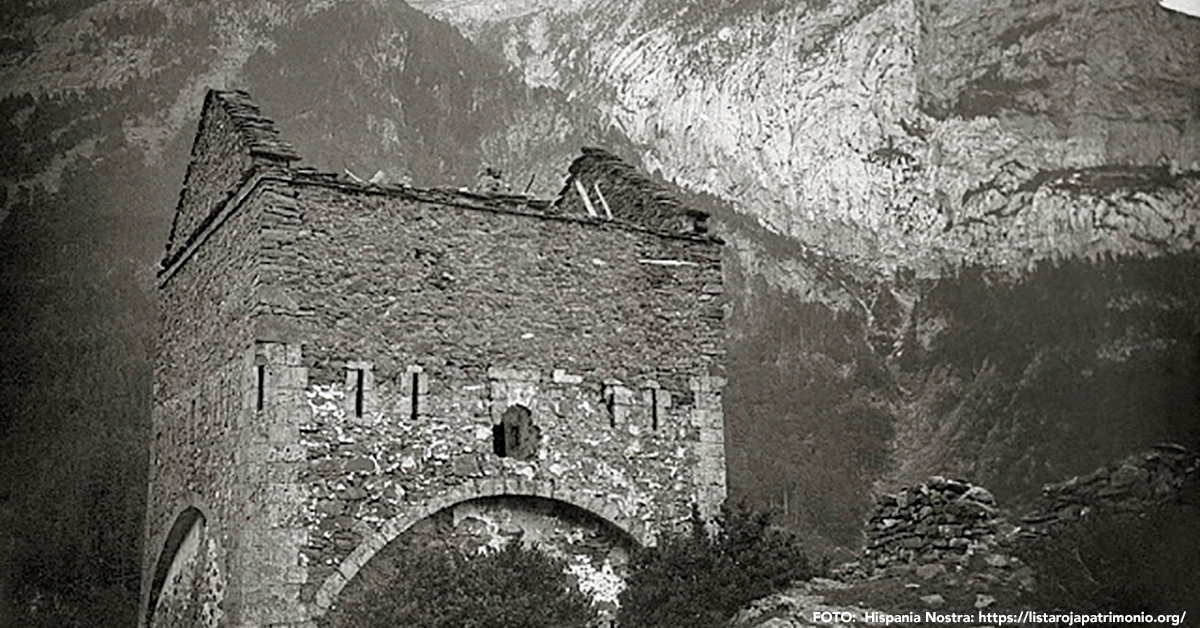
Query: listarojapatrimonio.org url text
point(1000, 619)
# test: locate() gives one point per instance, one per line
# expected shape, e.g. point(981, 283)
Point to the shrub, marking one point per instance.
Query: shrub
point(444, 587)
point(700, 579)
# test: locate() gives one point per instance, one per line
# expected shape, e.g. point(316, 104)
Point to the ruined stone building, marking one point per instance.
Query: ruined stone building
point(343, 364)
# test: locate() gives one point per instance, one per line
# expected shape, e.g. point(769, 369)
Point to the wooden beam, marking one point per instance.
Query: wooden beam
point(603, 201)
point(586, 201)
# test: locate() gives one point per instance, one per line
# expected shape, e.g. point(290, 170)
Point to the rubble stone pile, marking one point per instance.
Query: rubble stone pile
point(933, 527)
point(1132, 485)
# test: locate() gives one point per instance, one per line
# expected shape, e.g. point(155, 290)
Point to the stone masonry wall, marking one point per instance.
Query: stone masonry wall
point(225, 421)
point(408, 282)
point(219, 446)
point(203, 379)
point(234, 140)
point(369, 475)
point(424, 321)
point(940, 526)
point(218, 163)
point(339, 363)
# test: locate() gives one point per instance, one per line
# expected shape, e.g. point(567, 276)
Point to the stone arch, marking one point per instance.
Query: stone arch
point(190, 509)
point(188, 518)
point(595, 504)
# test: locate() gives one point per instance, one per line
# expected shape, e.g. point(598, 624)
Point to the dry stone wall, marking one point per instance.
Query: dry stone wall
point(944, 525)
point(1132, 485)
point(936, 527)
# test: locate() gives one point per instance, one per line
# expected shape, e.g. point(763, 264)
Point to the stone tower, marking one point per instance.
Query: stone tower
point(343, 364)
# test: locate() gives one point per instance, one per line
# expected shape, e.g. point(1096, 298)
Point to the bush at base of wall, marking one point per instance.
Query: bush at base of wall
point(434, 586)
point(700, 580)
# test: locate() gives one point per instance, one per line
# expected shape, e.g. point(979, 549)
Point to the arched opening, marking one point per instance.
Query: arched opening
point(187, 587)
point(594, 552)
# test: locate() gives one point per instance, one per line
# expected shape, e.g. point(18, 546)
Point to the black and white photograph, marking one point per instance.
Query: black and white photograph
point(599, 313)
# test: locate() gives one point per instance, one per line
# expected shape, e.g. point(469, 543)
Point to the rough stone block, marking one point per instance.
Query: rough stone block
point(611, 510)
point(273, 605)
point(513, 375)
point(544, 488)
point(395, 526)
point(467, 465)
point(710, 435)
point(515, 485)
point(562, 377)
point(710, 451)
point(491, 486)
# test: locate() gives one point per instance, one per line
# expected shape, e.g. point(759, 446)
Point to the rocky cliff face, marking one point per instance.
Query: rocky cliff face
point(895, 131)
point(962, 235)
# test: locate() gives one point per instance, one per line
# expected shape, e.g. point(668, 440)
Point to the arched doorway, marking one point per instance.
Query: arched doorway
point(595, 551)
point(188, 588)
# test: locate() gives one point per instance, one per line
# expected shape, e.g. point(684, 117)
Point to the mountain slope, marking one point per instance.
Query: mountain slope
point(871, 127)
point(99, 104)
point(989, 216)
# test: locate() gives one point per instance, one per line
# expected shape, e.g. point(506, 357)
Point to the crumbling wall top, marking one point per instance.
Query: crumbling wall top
point(234, 141)
point(602, 185)
point(257, 132)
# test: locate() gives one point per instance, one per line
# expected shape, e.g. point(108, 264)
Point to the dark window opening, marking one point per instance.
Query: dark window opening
point(498, 443)
point(654, 409)
point(515, 436)
point(262, 376)
point(414, 394)
point(358, 394)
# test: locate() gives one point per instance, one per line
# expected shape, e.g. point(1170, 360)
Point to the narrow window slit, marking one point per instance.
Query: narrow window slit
point(358, 393)
point(654, 409)
point(498, 444)
point(262, 377)
point(415, 394)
